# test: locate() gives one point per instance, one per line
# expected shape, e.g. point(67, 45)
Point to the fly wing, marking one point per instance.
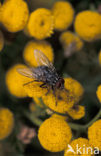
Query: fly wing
point(41, 59)
point(28, 72)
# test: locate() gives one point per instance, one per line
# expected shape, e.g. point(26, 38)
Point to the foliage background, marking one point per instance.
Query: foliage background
point(82, 66)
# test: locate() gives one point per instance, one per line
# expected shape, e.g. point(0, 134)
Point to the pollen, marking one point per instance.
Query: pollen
point(14, 15)
point(43, 46)
point(54, 134)
point(6, 123)
point(63, 13)
point(40, 24)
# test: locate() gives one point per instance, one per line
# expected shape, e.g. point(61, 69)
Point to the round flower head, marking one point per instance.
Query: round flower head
point(1, 41)
point(94, 134)
point(90, 28)
point(15, 81)
point(40, 24)
point(54, 134)
point(65, 99)
point(77, 112)
point(98, 93)
point(99, 57)
point(75, 88)
point(60, 103)
point(43, 46)
point(63, 14)
point(14, 14)
point(6, 123)
point(82, 144)
point(70, 39)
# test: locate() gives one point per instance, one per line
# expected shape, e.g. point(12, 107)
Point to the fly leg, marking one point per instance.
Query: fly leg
point(48, 90)
point(43, 85)
point(30, 82)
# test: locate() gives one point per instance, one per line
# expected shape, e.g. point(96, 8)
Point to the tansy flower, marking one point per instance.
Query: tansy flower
point(90, 28)
point(14, 15)
point(59, 116)
point(6, 123)
point(74, 87)
point(94, 134)
point(34, 90)
point(63, 100)
point(63, 14)
point(15, 81)
point(1, 41)
point(99, 57)
point(70, 42)
point(77, 112)
point(44, 46)
point(54, 134)
point(61, 103)
point(81, 143)
point(98, 93)
point(40, 24)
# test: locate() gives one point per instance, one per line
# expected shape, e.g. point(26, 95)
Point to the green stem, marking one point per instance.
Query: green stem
point(33, 119)
point(84, 127)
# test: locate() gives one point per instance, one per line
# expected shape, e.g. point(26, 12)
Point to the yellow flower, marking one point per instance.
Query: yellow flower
point(82, 143)
point(54, 134)
point(40, 24)
point(61, 103)
point(6, 123)
point(68, 38)
point(63, 14)
point(74, 87)
point(15, 81)
point(1, 41)
point(34, 90)
point(64, 99)
point(99, 57)
point(98, 93)
point(77, 113)
point(59, 116)
point(14, 14)
point(94, 134)
point(44, 46)
point(90, 28)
